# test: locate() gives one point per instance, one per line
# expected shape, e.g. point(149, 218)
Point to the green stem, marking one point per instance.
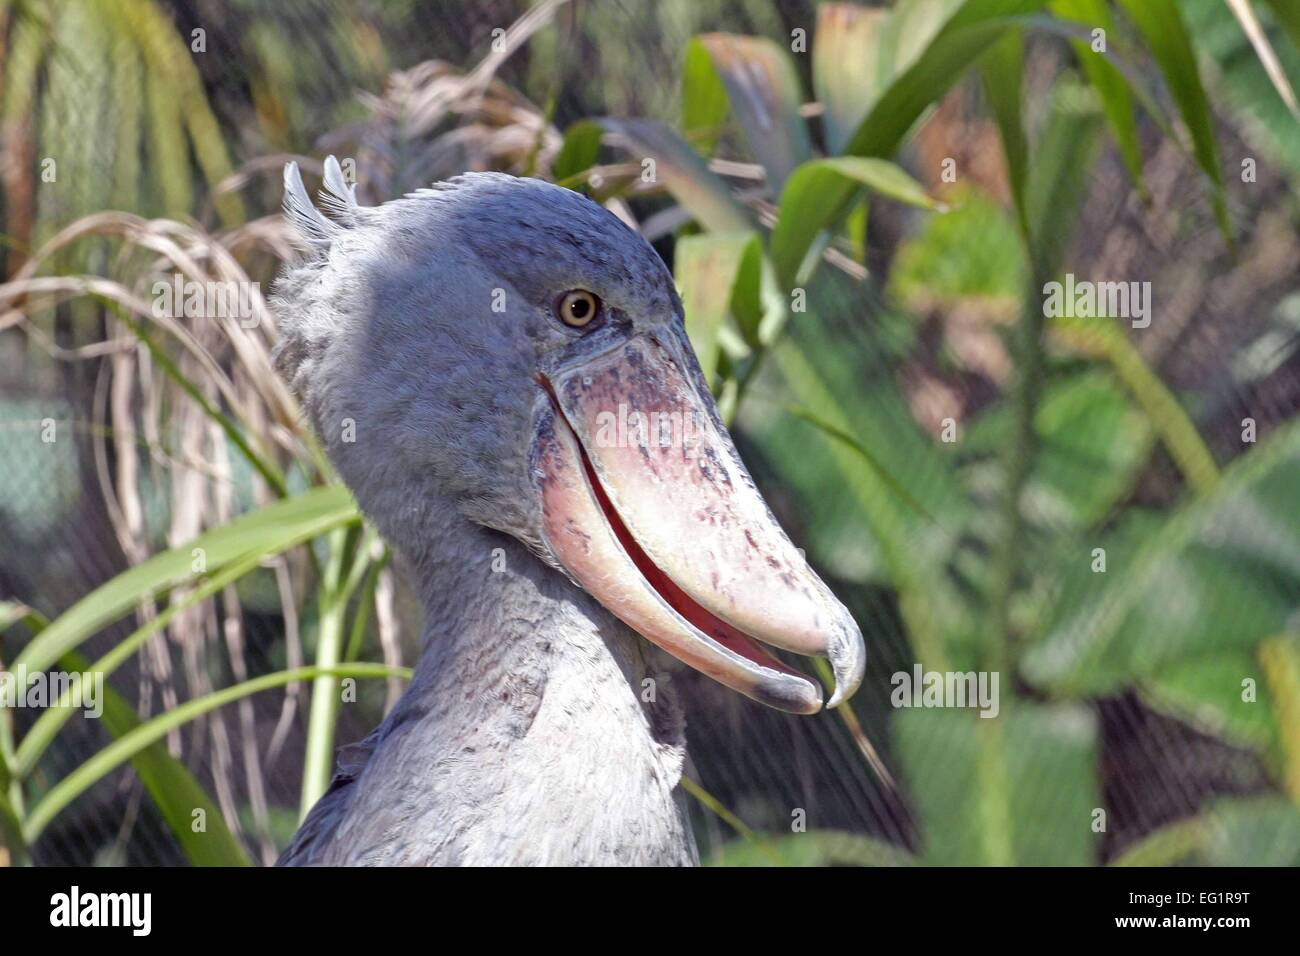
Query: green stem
point(325, 698)
point(1017, 463)
point(1103, 338)
point(1279, 656)
point(11, 795)
point(729, 818)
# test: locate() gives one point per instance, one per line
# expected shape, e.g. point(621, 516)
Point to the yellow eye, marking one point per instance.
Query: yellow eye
point(578, 308)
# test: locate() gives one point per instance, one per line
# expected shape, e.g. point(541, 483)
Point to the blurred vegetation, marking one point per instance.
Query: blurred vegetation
point(861, 205)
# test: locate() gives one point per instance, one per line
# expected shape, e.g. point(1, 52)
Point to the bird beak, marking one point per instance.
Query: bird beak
point(647, 505)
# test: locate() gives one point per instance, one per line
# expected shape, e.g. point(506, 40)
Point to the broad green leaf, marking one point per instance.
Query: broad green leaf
point(812, 199)
point(814, 848)
point(1217, 575)
point(1235, 831)
point(579, 152)
point(1015, 789)
point(704, 98)
point(138, 739)
point(764, 92)
point(709, 270)
point(1091, 443)
point(974, 253)
point(1162, 27)
point(1107, 80)
point(828, 380)
point(1104, 339)
point(307, 515)
point(1170, 845)
point(170, 784)
point(973, 26)
point(911, 26)
point(867, 457)
point(846, 66)
point(1206, 692)
point(952, 48)
point(1252, 831)
point(684, 174)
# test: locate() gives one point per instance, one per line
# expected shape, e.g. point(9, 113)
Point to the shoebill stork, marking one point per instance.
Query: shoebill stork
point(485, 362)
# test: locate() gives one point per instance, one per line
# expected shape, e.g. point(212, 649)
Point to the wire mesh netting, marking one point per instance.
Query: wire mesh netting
point(1139, 623)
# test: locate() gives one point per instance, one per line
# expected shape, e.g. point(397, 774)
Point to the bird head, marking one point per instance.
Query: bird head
point(512, 347)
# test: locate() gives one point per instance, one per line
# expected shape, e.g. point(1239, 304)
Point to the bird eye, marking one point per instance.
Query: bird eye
point(578, 308)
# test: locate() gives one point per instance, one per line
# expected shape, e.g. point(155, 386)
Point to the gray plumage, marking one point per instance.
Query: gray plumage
point(417, 326)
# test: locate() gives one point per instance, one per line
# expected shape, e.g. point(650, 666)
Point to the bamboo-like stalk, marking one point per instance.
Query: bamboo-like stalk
point(323, 714)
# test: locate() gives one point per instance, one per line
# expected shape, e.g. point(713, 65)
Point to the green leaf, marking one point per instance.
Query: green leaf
point(684, 174)
point(932, 43)
point(828, 382)
point(1250, 25)
point(15, 612)
point(579, 152)
point(814, 848)
point(868, 459)
point(1279, 658)
point(43, 732)
point(846, 66)
point(952, 49)
point(1016, 789)
point(1236, 831)
point(134, 741)
point(710, 271)
point(1216, 575)
point(813, 198)
point(1168, 846)
point(1287, 13)
point(171, 786)
point(260, 532)
point(1103, 338)
point(1057, 183)
point(1002, 68)
point(765, 99)
point(704, 98)
point(1091, 443)
point(1162, 27)
point(1206, 692)
point(1107, 80)
point(974, 253)
point(1252, 831)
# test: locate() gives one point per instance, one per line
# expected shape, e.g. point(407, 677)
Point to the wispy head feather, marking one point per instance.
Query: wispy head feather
point(311, 228)
point(338, 198)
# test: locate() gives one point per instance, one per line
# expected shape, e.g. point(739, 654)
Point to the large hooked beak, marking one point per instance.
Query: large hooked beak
point(648, 506)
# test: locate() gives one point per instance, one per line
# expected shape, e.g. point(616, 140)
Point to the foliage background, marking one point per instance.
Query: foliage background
point(1121, 691)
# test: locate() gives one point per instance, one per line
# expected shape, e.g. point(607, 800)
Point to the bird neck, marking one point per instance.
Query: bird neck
point(537, 709)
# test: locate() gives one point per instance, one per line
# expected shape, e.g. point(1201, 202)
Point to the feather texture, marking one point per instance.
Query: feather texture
point(311, 228)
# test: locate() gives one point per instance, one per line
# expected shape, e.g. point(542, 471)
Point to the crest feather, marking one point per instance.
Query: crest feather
point(338, 197)
point(312, 228)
